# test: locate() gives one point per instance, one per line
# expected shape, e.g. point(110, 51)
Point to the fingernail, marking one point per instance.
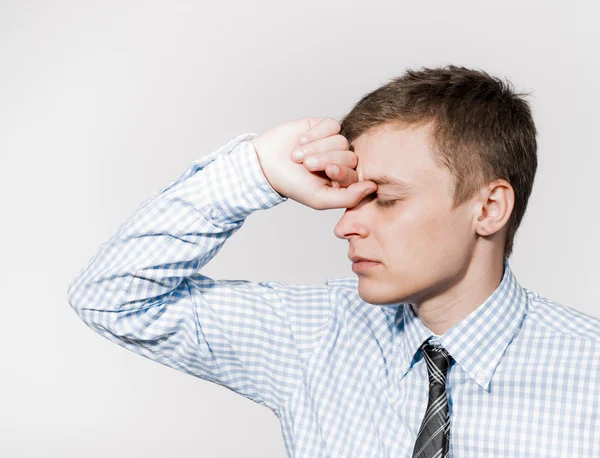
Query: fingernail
point(368, 191)
point(298, 155)
point(311, 162)
point(303, 140)
point(335, 170)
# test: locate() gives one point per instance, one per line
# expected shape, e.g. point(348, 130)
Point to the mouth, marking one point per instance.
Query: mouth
point(361, 259)
point(362, 265)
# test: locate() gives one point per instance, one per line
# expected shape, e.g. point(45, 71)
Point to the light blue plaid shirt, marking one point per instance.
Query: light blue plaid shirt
point(344, 377)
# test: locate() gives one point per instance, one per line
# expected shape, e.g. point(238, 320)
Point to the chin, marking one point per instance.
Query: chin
point(374, 295)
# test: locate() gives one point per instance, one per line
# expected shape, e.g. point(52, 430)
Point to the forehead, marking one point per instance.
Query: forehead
point(400, 152)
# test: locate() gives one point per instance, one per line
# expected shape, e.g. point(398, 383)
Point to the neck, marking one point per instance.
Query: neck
point(443, 311)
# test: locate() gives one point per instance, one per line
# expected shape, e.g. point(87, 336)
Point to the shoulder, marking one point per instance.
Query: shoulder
point(345, 292)
point(348, 283)
point(563, 319)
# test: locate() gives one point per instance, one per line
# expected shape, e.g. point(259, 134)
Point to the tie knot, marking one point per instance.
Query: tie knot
point(438, 362)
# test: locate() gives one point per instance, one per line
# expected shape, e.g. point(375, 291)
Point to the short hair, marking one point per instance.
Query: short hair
point(482, 129)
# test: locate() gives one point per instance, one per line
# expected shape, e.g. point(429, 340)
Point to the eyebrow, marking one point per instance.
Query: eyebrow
point(386, 179)
point(389, 180)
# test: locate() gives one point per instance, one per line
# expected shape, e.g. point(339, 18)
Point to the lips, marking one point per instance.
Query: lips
point(360, 258)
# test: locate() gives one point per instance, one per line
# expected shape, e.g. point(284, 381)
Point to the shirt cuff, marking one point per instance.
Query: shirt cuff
point(236, 183)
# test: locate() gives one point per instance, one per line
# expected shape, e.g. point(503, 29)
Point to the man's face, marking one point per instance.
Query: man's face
point(422, 244)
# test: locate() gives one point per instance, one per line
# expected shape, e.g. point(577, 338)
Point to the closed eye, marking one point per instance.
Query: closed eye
point(385, 203)
point(382, 203)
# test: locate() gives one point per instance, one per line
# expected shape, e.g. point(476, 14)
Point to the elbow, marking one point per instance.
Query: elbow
point(73, 294)
point(76, 292)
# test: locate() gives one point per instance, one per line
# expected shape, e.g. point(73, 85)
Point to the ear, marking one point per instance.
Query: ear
point(495, 207)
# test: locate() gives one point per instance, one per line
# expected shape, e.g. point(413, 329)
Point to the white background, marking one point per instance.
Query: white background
point(102, 103)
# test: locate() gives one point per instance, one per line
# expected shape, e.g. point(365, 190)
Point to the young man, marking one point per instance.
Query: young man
point(434, 349)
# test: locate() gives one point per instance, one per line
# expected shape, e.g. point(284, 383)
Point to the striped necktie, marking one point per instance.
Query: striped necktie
point(433, 439)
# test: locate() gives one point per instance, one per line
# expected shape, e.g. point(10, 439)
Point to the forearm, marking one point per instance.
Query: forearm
point(174, 233)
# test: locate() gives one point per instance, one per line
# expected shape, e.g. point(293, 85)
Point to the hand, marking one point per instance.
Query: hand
point(319, 187)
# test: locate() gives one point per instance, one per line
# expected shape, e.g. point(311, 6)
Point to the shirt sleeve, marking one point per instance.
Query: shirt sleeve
point(143, 289)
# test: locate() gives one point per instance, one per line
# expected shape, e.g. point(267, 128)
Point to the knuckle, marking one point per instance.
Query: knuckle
point(352, 160)
point(343, 141)
point(333, 124)
point(348, 160)
point(305, 150)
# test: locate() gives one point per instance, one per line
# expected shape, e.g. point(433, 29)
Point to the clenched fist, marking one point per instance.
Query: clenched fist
point(325, 177)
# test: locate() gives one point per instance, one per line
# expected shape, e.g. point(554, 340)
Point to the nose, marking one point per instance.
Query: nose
point(353, 222)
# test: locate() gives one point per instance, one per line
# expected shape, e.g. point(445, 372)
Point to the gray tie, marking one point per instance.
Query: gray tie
point(433, 439)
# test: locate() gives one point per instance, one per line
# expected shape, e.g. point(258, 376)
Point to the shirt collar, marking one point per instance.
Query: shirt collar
point(476, 343)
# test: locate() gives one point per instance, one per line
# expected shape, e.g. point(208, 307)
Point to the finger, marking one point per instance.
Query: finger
point(332, 143)
point(344, 176)
point(318, 162)
point(328, 197)
point(320, 129)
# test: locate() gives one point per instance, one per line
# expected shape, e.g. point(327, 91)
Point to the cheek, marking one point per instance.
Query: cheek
point(445, 235)
point(423, 226)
